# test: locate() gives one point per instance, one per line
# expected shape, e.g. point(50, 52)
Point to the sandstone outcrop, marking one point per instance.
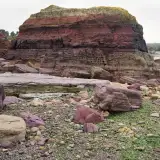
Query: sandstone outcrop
point(72, 41)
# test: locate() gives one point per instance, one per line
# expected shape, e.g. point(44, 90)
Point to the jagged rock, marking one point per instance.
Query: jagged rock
point(87, 115)
point(77, 39)
point(110, 98)
point(25, 69)
point(12, 129)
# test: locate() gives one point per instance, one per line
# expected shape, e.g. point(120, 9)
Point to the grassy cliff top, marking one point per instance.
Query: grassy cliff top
point(55, 11)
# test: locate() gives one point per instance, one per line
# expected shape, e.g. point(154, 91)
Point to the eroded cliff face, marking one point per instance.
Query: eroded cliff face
point(71, 40)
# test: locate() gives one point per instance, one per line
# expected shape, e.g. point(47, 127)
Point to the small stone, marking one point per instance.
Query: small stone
point(21, 152)
point(41, 147)
point(78, 126)
point(89, 147)
point(50, 151)
point(37, 138)
point(28, 157)
point(140, 148)
point(42, 128)
point(42, 141)
point(121, 124)
point(105, 114)
point(50, 112)
point(150, 135)
point(4, 150)
point(30, 137)
point(144, 88)
point(66, 105)
point(38, 133)
point(71, 145)
point(79, 131)
point(62, 142)
point(34, 129)
point(81, 86)
point(37, 102)
point(155, 115)
point(86, 155)
point(69, 148)
point(155, 96)
point(84, 95)
point(72, 123)
point(46, 154)
point(111, 121)
point(32, 143)
point(105, 135)
point(141, 122)
point(67, 120)
point(78, 156)
point(57, 117)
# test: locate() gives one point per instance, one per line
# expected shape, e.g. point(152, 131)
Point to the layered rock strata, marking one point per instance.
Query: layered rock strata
point(72, 41)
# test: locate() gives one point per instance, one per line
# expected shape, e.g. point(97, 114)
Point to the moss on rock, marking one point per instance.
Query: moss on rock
point(55, 11)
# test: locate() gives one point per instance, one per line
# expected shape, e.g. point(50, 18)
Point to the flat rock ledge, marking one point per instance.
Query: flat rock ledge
point(9, 79)
point(12, 129)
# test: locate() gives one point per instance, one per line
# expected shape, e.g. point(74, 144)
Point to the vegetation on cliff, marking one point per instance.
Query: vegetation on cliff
point(55, 11)
point(8, 36)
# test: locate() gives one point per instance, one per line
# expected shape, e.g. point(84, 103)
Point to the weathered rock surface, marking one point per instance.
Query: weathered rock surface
point(110, 98)
point(12, 129)
point(77, 39)
point(87, 115)
point(15, 79)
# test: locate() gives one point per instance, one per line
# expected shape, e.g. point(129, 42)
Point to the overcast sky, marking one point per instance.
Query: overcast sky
point(14, 12)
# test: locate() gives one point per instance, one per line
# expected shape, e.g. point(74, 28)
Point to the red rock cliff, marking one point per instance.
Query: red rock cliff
point(109, 37)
